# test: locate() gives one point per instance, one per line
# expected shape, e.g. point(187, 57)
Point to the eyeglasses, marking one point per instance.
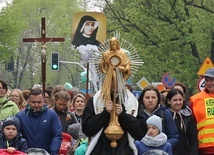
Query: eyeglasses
point(14, 96)
point(2, 88)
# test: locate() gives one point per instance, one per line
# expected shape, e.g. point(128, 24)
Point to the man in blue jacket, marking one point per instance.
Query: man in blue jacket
point(40, 126)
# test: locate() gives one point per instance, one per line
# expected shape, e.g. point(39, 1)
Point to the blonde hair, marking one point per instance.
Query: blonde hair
point(79, 95)
point(23, 102)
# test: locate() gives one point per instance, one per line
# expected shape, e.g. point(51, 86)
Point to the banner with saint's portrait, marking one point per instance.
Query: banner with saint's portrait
point(88, 28)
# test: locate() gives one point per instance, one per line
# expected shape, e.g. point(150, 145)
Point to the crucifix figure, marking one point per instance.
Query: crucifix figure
point(43, 40)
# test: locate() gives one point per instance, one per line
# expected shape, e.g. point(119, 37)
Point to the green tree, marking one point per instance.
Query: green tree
point(9, 30)
point(171, 36)
point(28, 55)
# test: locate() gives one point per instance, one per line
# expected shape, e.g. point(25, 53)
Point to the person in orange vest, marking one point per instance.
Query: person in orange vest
point(202, 105)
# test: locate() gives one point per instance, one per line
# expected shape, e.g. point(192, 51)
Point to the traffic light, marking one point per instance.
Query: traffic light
point(55, 61)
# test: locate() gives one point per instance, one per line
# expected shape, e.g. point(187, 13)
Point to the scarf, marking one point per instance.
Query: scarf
point(156, 141)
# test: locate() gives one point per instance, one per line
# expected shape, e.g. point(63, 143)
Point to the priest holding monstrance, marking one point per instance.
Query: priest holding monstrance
point(108, 118)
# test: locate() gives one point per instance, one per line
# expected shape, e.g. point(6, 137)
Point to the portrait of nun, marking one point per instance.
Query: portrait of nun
point(86, 32)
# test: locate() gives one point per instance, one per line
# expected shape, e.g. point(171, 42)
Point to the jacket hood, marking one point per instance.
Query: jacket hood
point(186, 111)
point(33, 113)
point(157, 108)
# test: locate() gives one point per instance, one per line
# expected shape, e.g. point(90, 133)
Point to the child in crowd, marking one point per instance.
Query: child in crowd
point(154, 138)
point(10, 137)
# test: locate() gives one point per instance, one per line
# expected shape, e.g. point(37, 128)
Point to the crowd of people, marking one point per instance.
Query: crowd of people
point(38, 120)
point(32, 119)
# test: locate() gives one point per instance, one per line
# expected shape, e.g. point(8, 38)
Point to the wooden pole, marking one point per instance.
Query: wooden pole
point(87, 81)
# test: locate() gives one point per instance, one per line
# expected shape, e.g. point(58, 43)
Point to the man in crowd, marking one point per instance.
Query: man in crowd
point(107, 118)
point(40, 126)
point(202, 105)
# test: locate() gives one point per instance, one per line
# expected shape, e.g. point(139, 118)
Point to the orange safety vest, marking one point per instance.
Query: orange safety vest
point(203, 110)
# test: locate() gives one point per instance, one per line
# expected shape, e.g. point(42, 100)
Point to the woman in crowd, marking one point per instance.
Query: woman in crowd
point(182, 88)
point(186, 125)
point(75, 129)
point(79, 103)
point(7, 107)
point(16, 96)
point(56, 89)
point(150, 99)
point(61, 99)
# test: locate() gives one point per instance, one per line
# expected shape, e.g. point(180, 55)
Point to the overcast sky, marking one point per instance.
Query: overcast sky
point(3, 3)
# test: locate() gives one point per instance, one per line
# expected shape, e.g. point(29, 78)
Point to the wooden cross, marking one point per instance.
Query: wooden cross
point(43, 40)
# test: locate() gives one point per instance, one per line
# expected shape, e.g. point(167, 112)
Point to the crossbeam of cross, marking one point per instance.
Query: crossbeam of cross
point(43, 40)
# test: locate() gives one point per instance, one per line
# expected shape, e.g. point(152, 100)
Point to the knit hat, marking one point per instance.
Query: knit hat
point(11, 121)
point(156, 121)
